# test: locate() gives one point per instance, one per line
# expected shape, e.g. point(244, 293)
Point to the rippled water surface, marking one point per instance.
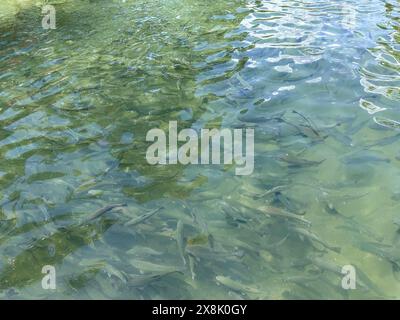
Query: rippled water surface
point(319, 81)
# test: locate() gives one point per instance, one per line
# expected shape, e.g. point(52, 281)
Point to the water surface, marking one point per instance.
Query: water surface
point(76, 104)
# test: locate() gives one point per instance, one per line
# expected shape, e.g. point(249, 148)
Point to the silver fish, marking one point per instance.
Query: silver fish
point(270, 191)
point(180, 241)
point(383, 251)
point(385, 141)
point(311, 125)
point(340, 137)
point(311, 236)
point(362, 279)
point(281, 213)
point(142, 218)
point(143, 280)
point(235, 285)
point(288, 203)
point(201, 252)
point(147, 266)
point(192, 266)
point(364, 157)
point(143, 251)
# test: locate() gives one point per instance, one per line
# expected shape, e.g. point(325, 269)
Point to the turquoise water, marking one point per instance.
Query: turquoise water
point(76, 104)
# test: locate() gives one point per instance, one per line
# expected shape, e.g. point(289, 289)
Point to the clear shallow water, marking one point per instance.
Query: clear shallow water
point(76, 104)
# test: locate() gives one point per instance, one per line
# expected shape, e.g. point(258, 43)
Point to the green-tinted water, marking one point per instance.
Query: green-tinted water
point(76, 104)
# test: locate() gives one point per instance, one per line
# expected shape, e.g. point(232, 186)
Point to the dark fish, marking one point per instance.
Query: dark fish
point(295, 162)
point(258, 119)
point(351, 224)
point(301, 279)
point(386, 252)
point(340, 137)
point(306, 131)
point(277, 244)
point(202, 252)
point(232, 218)
point(396, 221)
point(354, 226)
point(396, 196)
point(328, 207)
point(104, 210)
point(288, 203)
point(385, 141)
point(211, 241)
point(310, 124)
point(356, 127)
point(364, 158)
